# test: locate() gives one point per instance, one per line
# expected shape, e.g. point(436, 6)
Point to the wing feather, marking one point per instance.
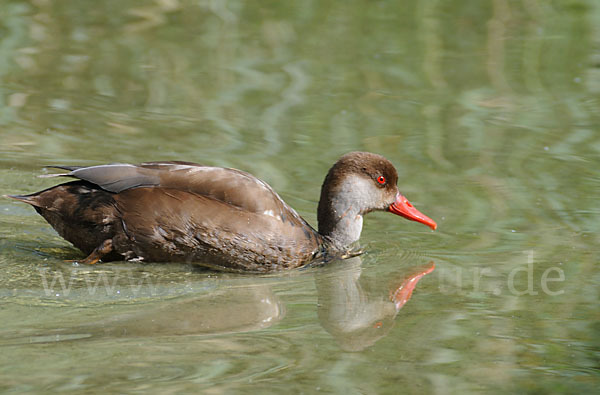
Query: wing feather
point(230, 186)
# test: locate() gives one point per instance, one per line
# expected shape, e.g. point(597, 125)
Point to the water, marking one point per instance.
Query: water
point(488, 110)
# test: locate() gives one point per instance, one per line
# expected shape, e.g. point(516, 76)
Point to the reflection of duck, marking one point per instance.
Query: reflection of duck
point(224, 218)
point(232, 309)
point(356, 316)
point(228, 310)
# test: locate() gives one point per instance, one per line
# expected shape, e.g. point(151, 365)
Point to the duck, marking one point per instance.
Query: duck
point(221, 218)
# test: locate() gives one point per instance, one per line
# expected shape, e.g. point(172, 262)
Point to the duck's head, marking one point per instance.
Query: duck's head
point(358, 183)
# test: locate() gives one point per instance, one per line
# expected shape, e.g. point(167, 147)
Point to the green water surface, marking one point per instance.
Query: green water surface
point(490, 111)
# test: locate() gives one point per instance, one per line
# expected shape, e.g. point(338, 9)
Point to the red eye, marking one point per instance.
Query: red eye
point(381, 180)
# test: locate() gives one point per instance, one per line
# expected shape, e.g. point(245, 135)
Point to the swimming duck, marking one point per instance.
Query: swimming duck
point(223, 218)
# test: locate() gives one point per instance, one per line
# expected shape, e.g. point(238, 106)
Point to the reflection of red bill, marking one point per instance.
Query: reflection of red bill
point(402, 294)
point(405, 209)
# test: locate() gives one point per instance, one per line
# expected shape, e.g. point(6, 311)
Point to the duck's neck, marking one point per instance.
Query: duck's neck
point(339, 214)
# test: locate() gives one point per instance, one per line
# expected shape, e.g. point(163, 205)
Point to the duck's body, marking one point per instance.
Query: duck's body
point(223, 218)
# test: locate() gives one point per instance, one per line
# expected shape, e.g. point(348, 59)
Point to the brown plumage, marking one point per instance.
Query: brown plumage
point(218, 217)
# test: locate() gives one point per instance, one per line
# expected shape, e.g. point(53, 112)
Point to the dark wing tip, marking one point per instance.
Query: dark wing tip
point(69, 168)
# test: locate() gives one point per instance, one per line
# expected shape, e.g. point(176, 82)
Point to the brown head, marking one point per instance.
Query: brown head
point(358, 183)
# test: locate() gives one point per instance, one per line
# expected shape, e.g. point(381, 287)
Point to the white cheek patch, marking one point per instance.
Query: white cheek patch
point(357, 194)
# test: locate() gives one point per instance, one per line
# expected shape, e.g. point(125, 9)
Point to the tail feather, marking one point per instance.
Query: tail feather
point(54, 175)
point(69, 168)
point(29, 199)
